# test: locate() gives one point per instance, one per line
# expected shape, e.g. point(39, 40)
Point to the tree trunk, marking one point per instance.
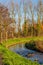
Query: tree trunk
point(12, 35)
point(1, 37)
point(6, 36)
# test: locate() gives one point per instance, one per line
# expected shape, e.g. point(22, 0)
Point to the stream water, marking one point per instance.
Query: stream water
point(27, 53)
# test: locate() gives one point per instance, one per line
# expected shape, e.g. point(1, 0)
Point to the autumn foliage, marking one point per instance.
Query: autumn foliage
point(24, 26)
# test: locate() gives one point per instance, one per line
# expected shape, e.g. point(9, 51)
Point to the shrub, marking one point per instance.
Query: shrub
point(30, 45)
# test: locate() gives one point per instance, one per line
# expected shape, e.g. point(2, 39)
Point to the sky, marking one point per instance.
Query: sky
point(7, 1)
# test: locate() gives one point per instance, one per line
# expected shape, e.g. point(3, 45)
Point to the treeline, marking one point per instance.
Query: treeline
point(21, 19)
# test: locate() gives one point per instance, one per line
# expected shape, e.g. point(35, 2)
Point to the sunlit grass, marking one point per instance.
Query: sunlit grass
point(21, 40)
point(11, 58)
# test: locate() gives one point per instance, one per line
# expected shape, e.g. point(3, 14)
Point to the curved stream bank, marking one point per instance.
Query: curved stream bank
point(27, 53)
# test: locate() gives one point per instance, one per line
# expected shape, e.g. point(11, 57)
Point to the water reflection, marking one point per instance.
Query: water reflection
point(30, 54)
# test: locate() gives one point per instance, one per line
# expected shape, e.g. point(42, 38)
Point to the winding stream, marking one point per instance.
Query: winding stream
point(29, 54)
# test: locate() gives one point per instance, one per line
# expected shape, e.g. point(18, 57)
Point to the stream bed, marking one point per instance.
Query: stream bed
point(27, 53)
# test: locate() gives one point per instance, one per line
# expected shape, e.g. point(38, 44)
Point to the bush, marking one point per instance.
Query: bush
point(30, 45)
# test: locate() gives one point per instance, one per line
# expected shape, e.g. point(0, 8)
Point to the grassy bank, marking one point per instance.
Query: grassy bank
point(20, 40)
point(10, 58)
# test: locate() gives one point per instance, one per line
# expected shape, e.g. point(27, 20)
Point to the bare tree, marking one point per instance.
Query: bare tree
point(18, 11)
point(39, 15)
point(12, 14)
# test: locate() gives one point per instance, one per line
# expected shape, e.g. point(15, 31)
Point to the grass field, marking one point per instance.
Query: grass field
point(20, 40)
point(11, 58)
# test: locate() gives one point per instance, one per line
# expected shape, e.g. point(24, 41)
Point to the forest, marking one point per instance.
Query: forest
point(21, 20)
point(21, 32)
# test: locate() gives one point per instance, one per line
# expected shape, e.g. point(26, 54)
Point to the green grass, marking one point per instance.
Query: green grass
point(11, 58)
point(20, 40)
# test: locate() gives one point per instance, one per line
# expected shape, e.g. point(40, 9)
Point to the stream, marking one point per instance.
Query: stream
point(27, 53)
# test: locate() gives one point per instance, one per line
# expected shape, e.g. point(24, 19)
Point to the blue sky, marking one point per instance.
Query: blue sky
point(7, 1)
